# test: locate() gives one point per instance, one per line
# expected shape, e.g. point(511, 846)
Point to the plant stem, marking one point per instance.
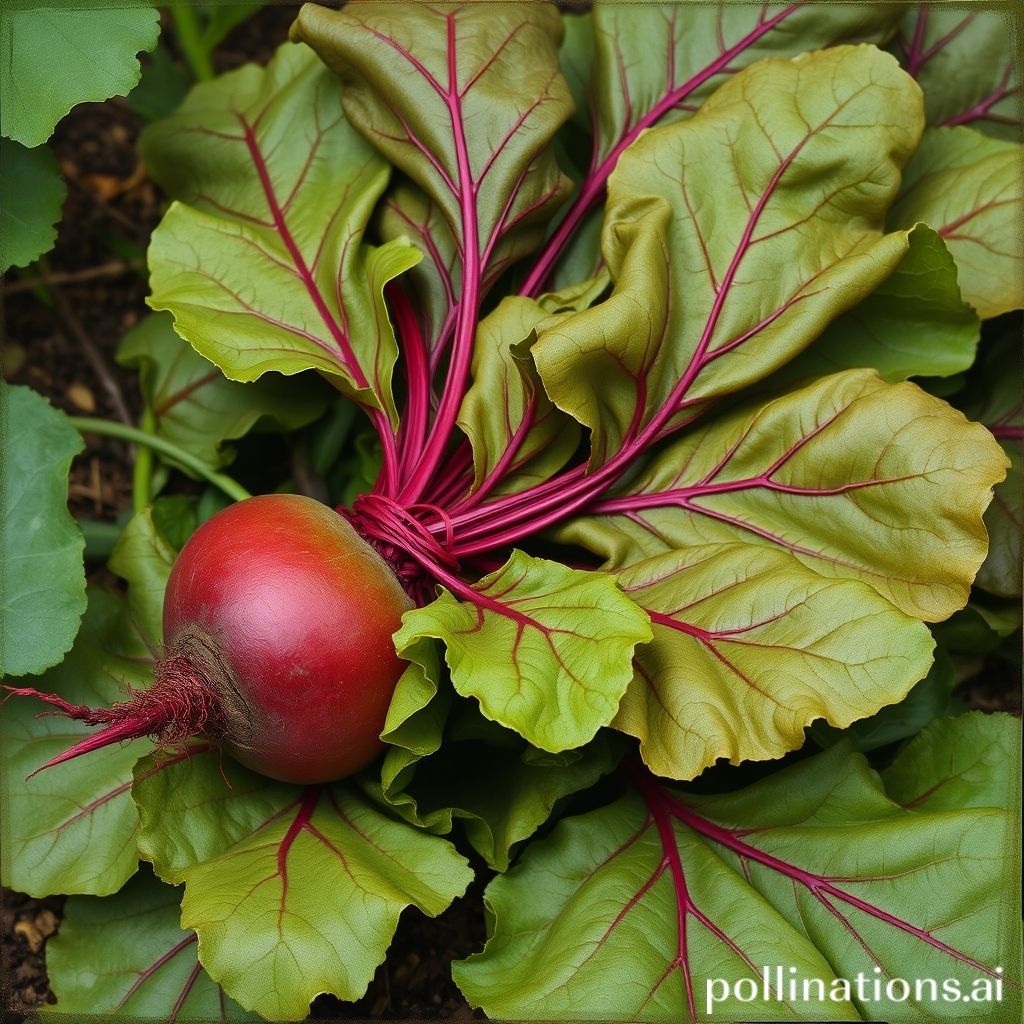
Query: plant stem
point(142, 475)
point(91, 425)
point(186, 28)
point(100, 537)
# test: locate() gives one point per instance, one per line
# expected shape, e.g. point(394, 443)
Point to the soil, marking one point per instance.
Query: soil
point(96, 282)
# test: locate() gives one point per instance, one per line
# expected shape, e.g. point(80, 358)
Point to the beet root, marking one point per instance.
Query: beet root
point(278, 620)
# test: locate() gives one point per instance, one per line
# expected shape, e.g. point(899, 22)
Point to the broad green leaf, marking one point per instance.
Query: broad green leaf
point(31, 196)
point(813, 873)
point(424, 778)
point(42, 581)
point(994, 398)
point(733, 238)
point(858, 478)
point(292, 891)
point(464, 100)
point(955, 763)
point(750, 646)
point(72, 828)
point(126, 955)
point(260, 260)
point(506, 805)
point(54, 56)
point(196, 407)
point(914, 324)
point(929, 699)
point(964, 61)
point(545, 649)
point(969, 188)
point(657, 63)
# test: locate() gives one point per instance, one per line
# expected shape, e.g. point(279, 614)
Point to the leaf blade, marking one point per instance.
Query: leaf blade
point(545, 649)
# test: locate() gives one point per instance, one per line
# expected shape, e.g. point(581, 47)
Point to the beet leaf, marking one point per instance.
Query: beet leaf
point(638, 905)
point(292, 891)
point(963, 60)
point(151, 968)
point(968, 187)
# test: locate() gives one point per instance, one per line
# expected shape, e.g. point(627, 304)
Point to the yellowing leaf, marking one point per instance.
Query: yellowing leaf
point(734, 238)
point(750, 646)
point(858, 478)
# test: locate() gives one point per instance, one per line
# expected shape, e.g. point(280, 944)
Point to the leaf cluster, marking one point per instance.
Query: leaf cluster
point(682, 344)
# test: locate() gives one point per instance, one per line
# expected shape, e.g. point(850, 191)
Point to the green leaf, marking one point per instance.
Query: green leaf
point(734, 238)
point(72, 828)
point(1004, 519)
point(858, 478)
point(42, 580)
point(55, 57)
point(750, 646)
point(545, 649)
point(162, 87)
point(126, 955)
point(978, 628)
point(963, 59)
point(927, 700)
point(575, 58)
point(144, 556)
point(292, 891)
point(657, 63)
point(506, 805)
point(420, 79)
point(993, 398)
point(413, 730)
point(813, 873)
point(519, 438)
point(969, 188)
point(956, 763)
point(32, 193)
point(913, 324)
point(424, 778)
point(196, 407)
point(436, 280)
point(260, 260)
point(633, 66)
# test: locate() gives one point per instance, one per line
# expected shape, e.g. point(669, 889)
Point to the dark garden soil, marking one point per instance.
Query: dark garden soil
point(60, 339)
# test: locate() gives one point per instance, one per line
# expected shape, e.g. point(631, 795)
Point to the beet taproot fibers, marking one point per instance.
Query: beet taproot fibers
point(278, 620)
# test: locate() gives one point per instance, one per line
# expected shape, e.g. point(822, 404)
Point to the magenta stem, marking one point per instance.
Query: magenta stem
point(1007, 432)
point(469, 300)
point(821, 887)
point(417, 412)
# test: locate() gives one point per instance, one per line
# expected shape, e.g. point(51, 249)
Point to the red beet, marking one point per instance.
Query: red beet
point(278, 619)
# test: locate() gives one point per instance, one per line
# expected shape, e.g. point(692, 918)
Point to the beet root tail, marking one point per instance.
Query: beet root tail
point(179, 704)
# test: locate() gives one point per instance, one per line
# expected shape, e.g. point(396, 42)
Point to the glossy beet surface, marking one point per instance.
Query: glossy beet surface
point(300, 611)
